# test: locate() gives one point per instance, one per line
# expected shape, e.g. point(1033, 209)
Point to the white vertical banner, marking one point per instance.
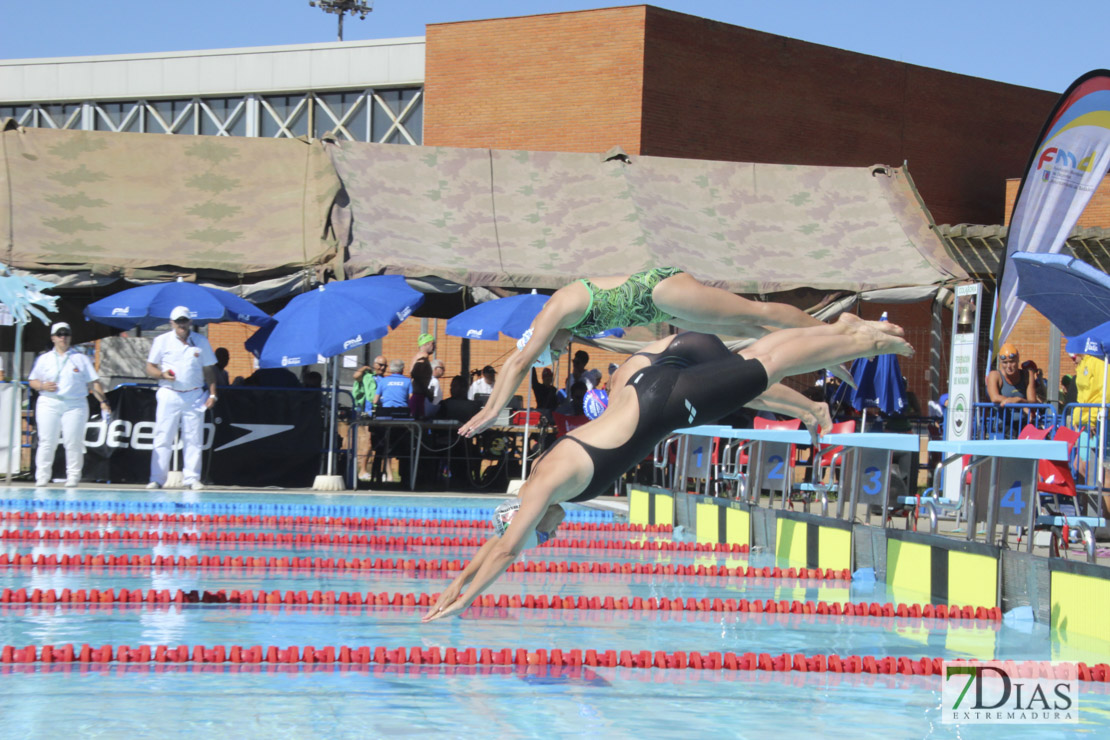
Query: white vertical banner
point(963, 365)
point(1069, 161)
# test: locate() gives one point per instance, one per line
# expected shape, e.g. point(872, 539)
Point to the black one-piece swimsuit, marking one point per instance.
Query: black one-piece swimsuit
point(696, 380)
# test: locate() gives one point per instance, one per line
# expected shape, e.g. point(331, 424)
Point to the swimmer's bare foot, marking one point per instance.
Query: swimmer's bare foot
point(886, 338)
point(890, 343)
point(853, 321)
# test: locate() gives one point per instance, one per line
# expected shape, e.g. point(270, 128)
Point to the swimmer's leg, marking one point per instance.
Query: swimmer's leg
point(798, 351)
point(695, 304)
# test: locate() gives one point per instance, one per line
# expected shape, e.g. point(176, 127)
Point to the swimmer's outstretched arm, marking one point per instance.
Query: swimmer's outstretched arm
point(451, 593)
point(491, 560)
point(556, 314)
point(780, 399)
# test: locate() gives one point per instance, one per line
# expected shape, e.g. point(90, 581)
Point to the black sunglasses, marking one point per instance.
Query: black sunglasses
point(63, 333)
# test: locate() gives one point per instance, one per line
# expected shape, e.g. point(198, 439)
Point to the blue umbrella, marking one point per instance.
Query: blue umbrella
point(1068, 292)
point(327, 322)
point(1094, 341)
point(510, 316)
point(879, 384)
point(149, 306)
point(332, 319)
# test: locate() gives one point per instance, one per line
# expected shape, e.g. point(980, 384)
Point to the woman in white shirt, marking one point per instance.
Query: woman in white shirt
point(63, 377)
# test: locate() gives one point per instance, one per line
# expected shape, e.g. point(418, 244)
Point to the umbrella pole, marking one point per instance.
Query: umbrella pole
point(331, 482)
point(333, 412)
point(17, 408)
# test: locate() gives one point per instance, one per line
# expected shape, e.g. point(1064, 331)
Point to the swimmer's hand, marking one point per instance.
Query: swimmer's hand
point(480, 422)
point(842, 372)
point(447, 599)
point(454, 608)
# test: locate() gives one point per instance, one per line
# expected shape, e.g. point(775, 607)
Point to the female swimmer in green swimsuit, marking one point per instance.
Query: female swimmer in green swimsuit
point(664, 294)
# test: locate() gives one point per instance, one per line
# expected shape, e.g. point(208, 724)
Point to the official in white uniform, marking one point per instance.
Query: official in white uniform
point(185, 366)
point(63, 377)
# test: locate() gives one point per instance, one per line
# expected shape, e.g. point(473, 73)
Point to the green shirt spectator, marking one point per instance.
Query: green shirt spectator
point(365, 389)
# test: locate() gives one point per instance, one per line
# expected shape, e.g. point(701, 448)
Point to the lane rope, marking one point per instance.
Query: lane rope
point(574, 514)
point(223, 520)
point(240, 564)
point(529, 601)
point(282, 539)
point(556, 657)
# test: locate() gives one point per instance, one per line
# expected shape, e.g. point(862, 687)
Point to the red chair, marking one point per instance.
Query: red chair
point(761, 423)
point(824, 458)
point(1055, 477)
point(1055, 481)
point(733, 465)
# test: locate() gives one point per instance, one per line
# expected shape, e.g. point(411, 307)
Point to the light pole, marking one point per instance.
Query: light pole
point(361, 8)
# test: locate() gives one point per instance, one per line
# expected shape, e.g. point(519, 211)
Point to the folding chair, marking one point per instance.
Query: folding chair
point(1056, 514)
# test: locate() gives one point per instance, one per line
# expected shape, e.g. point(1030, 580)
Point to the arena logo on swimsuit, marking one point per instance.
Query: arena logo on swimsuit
point(123, 434)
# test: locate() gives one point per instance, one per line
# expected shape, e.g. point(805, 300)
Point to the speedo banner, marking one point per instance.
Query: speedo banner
point(252, 437)
point(1068, 163)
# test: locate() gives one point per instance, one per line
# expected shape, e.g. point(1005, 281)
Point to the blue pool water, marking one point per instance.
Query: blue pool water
point(139, 701)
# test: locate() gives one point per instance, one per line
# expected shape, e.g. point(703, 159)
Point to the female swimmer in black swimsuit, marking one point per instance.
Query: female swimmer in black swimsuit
point(688, 383)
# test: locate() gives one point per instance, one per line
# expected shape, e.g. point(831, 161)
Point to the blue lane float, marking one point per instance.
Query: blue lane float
point(449, 513)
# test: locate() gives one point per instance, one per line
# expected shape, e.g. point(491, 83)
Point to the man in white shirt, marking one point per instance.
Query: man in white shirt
point(438, 370)
point(63, 377)
point(483, 386)
point(185, 367)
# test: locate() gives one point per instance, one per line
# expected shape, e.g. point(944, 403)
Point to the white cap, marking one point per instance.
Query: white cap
point(58, 326)
point(181, 312)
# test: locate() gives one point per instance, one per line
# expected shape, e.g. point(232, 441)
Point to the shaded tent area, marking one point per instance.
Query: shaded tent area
point(95, 212)
point(142, 206)
point(525, 220)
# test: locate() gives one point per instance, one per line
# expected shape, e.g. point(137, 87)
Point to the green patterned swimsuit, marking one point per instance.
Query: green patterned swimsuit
point(628, 304)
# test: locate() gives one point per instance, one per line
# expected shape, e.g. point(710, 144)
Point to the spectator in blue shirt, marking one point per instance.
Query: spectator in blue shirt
point(396, 387)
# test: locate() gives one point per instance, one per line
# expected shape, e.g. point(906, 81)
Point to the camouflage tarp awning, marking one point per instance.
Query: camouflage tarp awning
point(540, 219)
point(124, 203)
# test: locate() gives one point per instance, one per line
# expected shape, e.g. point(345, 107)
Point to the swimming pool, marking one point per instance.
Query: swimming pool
point(343, 700)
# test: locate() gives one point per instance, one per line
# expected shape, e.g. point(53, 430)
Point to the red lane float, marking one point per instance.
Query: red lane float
point(267, 539)
point(222, 520)
point(678, 660)
point(240, 564)
point(622, 603)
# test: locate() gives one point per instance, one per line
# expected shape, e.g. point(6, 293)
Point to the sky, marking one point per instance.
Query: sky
point(1035, 44)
